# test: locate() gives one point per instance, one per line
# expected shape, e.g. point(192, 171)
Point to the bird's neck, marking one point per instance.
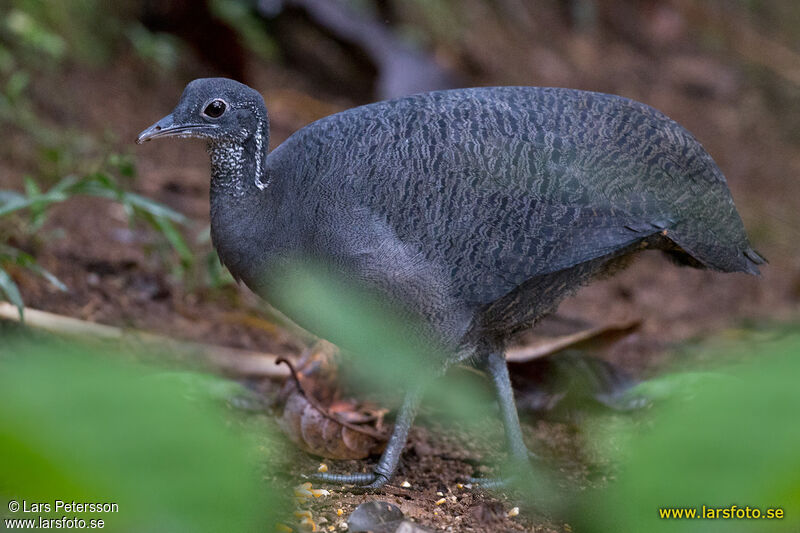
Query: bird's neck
point(238, 167)
point(239, 210)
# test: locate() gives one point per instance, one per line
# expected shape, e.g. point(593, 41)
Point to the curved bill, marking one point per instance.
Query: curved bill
point(166, 127)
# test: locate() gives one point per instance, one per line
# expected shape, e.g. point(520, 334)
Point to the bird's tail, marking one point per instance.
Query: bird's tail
point(719, 256)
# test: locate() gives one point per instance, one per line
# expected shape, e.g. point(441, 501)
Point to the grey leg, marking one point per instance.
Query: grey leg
point(498, 370)
point(495, 365)
point(391, 455)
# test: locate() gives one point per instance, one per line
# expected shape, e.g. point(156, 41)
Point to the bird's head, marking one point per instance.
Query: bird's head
point(215, 109)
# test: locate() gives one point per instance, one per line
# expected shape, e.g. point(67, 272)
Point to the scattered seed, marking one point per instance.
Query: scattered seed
point(319, 492)
point(440, 494)
point(460, 485)
point(303, 491)
point(513, 512)
point(322, 467)
point(440, 502)
point(339, 512)
point(283, 528)
point(405, 484)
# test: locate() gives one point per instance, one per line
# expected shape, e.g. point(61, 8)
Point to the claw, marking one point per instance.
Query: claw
point(366, 481)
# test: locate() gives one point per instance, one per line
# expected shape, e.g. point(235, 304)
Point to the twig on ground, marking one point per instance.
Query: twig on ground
point(554, 345)
point(230, 361)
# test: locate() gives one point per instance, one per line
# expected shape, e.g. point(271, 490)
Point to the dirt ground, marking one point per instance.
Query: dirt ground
point(113, 281)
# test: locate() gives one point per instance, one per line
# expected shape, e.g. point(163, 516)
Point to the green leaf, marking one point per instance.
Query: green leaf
point(11, 291)
point(76, 424)
point(38, 208)
point(152, 207)
point(723, 442)
point(47, 275)
point(27, 261)
point(12, 203)
point(31, 187)
point(175, 239)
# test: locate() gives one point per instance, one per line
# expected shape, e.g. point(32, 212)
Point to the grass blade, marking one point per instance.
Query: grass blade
point(11, 291)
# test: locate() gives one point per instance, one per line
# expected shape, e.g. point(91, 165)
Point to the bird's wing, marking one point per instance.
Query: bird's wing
point(495, 222)
point(495, 186)
point(505, 240)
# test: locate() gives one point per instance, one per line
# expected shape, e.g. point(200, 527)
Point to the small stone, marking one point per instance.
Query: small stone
point(513, 512)
point(410, 527)
point(375, 516)
point(405, 484)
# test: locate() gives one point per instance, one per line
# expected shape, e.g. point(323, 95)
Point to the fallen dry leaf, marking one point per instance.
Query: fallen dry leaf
point(320, 431)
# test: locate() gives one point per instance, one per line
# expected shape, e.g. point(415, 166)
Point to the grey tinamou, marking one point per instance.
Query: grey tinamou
point(479, 208)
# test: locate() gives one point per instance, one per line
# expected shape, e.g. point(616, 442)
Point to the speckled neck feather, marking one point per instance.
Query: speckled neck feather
point(237, 164)
point(238, 189)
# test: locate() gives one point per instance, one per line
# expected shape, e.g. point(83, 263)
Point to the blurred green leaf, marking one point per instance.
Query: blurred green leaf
point(723, 441)
point(216, 274)
point(681, 386)
point(100, 184)
point(16, 85)
point(159, 49)
point(175, 238)
point(240, 16)
point(392, 347)
point(77, 425)
point(11, 254)
point(34, 34)
point(9, 290)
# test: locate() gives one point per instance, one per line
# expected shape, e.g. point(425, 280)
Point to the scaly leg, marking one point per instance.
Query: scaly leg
point(495, 365)
point(391, 455)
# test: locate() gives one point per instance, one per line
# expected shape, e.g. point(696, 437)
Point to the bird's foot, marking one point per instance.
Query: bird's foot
point(520, 470)
point(363, 482)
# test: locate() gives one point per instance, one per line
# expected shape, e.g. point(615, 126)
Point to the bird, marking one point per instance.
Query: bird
point(479, 208)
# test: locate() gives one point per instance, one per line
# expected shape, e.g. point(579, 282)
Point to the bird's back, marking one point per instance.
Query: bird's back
point(496, 186)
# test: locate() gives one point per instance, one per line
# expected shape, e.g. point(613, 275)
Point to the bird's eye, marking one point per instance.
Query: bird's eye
point(215, 109)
